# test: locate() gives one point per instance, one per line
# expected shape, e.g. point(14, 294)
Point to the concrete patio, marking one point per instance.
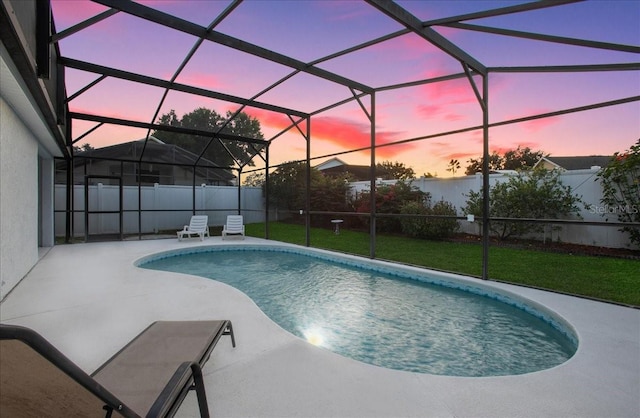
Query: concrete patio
point(89, 300)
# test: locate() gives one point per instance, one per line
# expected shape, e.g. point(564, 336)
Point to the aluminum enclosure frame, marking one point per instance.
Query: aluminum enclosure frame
point(477, 74)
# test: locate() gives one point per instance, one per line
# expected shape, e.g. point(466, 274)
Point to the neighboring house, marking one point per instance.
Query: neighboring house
point(573, 163)
point(161, 163)
point(335, 167)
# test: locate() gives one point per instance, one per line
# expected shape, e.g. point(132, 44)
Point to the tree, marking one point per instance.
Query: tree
point(255, 179)
point(288, 183)
point(536, 194)
point(475, 165)
point(287, 186)
point(84, 148)
point(621, 190)
point(521, 159)
point(394, 171)
point(224, 153)
point(329, 193)
point(518, 159)
point(454, 165)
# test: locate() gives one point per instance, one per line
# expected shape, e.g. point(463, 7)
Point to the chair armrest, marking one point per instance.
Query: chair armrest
point(47, 352)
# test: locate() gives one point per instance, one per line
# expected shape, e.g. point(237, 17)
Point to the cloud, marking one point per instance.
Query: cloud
point(460, 156)
point(344, 133)
point(441, 111)
point(342, 10)
point(70, 12)
point(271, 119)
point(502, 149)
point(444, 99)
point(457, 91)
point(446, 151)
point(198, 79)
point(536, 125)
point(410, 47)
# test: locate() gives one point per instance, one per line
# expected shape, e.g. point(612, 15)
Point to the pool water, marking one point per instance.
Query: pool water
point(382, 319)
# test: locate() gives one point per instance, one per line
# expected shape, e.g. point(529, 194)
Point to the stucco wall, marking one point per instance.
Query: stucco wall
point(18, 199)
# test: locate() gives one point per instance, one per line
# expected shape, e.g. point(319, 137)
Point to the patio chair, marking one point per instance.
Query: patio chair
point(234, 226)
point(150, 376)
point(197, 226)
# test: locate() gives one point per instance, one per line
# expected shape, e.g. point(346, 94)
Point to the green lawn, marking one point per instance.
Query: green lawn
point(612, 279)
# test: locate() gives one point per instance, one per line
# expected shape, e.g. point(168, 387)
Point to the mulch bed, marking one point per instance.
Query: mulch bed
point(553, 246)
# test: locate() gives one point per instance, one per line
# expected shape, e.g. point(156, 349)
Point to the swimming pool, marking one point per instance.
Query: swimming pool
point(400, 318)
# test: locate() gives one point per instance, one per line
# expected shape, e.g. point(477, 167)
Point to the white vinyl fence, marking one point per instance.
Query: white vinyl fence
point(169, 207)
point(583, 183)
point(164, 207)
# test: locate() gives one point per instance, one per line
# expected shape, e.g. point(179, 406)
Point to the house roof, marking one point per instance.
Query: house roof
point(577, 163)
point(360, 172)
point(333, 162)
point(155, 151)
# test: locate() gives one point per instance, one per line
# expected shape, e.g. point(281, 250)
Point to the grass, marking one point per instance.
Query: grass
point(605, 278)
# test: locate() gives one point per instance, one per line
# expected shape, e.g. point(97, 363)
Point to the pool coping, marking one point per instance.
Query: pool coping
point(90, 299)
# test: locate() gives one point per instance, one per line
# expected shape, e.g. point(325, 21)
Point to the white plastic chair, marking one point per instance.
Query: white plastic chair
point(197, 226)
point(234, 226)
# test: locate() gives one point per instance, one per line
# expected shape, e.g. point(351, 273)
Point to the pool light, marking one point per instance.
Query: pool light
point(313, 336)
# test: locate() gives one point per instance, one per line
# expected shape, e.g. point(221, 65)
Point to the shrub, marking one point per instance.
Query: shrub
point(389, 200)
point(621, 189)
point(537, 194)
point(429, 228)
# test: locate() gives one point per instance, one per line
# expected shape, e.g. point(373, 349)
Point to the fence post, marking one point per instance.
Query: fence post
point(203, 189)
point(155, 207)
point(100, 205)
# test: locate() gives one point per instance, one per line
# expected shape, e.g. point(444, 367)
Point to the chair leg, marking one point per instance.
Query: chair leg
point(200, 392)
point(229, 331)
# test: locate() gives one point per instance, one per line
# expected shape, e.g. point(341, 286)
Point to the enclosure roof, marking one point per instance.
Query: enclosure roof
point(347, 65)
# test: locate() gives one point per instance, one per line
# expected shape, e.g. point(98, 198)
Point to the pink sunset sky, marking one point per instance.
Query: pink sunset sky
point(310, 30)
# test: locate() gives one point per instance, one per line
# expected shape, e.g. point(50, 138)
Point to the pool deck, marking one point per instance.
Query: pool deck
point(89, 300)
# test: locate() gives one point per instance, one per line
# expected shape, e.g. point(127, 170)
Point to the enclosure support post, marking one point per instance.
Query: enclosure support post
point(372, 181)
point(69, 204)
point(193, 192)
point(69, 215)
point(139, 181)
point(307, 203)
point(86, 209)
point(485, 177)
point(121, 209)
point(266, 194)
point(239, 191)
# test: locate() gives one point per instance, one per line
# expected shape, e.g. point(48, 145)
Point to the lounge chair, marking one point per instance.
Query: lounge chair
point(149, 377)
point(234, 226)
point(197, 226)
